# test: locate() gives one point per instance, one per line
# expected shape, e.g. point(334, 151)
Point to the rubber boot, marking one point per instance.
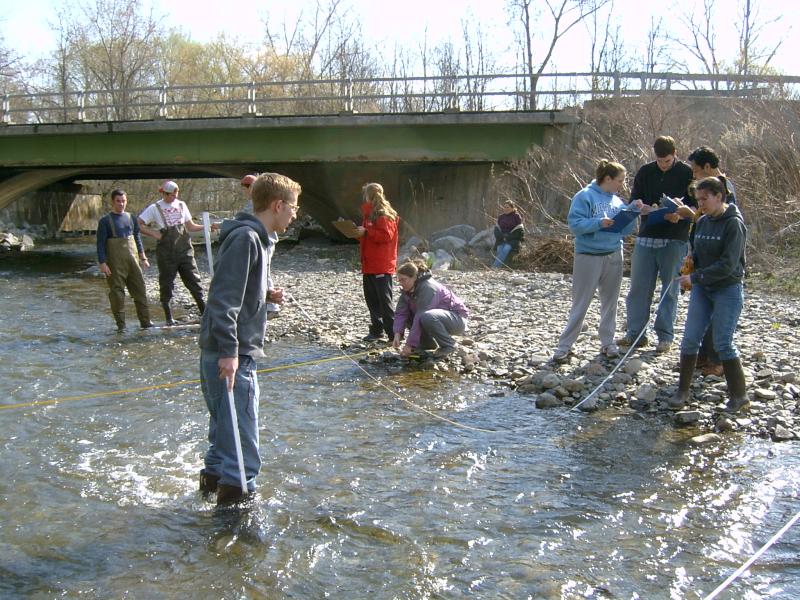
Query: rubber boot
point(737, 388)
point(120, 320)
point(681, 397)
point(229, 494)
point(208, 483)
point(168, 314)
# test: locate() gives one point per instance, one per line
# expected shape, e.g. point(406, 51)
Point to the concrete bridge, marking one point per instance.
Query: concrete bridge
point(436, 167)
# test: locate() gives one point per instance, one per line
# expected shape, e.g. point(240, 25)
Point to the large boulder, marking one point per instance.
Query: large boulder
point(450, 243)
point(483, 240)
point(465, 232)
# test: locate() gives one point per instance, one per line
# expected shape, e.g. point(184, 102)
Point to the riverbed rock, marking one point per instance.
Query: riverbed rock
point(687, 417)
point(548, 400)
point(706, 438)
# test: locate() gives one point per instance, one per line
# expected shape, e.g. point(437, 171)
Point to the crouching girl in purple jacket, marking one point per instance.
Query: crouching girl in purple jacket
point(430, 311)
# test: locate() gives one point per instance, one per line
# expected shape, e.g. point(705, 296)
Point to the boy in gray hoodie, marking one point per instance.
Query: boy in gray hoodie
point(232, 333)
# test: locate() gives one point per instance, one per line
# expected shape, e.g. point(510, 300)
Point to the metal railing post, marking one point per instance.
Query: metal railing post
point(6, 110)
point(162, 102)
point(81, 116)
point(251, 100)
point(348, 96)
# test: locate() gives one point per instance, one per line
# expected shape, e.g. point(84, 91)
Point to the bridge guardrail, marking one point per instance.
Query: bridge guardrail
point(380, 95)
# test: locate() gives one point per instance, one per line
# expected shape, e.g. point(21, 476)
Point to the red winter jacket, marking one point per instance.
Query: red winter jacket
point(379, 243)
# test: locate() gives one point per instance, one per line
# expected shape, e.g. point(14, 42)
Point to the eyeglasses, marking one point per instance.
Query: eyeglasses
point(292, 206)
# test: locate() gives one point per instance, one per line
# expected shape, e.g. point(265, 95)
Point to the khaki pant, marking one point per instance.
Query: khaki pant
point(122, 258)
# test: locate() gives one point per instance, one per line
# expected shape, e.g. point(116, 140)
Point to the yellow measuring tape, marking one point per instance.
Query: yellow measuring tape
point(170, 385)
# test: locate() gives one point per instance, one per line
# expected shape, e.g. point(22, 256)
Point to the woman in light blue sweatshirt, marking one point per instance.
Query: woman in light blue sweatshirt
point(598, 256)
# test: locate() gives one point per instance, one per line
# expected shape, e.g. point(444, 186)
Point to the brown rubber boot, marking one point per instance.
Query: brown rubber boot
point(737, 388)
point(229, 494)
point(681, 397)
point(208, 483)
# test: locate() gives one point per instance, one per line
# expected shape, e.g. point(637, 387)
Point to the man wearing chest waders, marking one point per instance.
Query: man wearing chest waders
point(172, 222)
point(232, 336)
point(118, 246)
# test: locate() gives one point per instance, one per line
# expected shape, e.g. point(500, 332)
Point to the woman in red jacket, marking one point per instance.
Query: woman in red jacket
point(378, 238)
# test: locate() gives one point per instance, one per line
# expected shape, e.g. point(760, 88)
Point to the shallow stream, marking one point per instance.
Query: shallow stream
point(361, 495)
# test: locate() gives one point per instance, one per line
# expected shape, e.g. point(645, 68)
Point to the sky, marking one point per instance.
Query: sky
point(24, 24)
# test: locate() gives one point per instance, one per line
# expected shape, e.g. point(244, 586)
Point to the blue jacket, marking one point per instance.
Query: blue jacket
point(586, 212)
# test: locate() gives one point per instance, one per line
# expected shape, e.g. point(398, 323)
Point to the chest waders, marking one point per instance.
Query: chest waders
point(175, 256)
point(122, 257)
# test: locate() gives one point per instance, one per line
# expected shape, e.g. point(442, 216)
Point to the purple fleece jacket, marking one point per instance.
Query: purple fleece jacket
point(427, 294)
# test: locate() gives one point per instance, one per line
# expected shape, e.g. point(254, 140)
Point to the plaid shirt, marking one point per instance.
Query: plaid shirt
point(649, 242)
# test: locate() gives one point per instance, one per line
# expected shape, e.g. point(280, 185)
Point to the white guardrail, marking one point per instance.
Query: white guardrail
point(382, 95)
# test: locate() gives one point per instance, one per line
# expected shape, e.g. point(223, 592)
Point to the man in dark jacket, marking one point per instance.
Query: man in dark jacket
point(660, 246)
point(232, 333)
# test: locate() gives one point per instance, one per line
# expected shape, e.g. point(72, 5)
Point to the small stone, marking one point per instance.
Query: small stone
point(758, 356)
point(573, 385)
point(646, 393)
point(724, 425)
point(589, 405)
point(551, 381)
point(595, 369)
point(687, 417)
point(528, 388)
point(764, 374)
point(560, 391)
point(782, 434)
point(706, 438)
point(547, 400)
point(633, 366)
point(765, 394)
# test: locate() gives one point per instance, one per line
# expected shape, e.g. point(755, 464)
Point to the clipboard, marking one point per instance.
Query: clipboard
point(621, 220)
point(346, 227)
point(668, 206)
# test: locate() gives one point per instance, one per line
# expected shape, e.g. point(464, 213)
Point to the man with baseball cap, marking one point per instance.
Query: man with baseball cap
point(247, 181)
point(169, 222)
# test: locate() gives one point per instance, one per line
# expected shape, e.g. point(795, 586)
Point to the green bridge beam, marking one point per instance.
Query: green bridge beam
point(451, 137)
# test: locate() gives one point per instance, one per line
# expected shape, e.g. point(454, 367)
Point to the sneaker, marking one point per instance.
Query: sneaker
point(628, 341)
point(610, 351)
point(561, 356)
point(663, 346)
point(146, 324)
point(371, 338)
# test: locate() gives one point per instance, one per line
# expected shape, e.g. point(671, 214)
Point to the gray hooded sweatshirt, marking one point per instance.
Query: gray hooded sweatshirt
point(235, 319)
point(719, 244)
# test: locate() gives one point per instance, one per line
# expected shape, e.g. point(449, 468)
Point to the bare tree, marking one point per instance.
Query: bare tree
point(563, 16)
point(10, 68)
point(478, 63)
point(753, 56)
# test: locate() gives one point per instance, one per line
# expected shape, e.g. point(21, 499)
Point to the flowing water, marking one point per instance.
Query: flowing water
point(361, 495)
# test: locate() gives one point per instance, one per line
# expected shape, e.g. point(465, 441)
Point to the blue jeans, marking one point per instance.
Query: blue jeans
point(220, 459)
point(721, 310)
point(647, 265)
point(503, 250)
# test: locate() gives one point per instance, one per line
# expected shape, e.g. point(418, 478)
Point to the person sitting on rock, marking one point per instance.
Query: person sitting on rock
point(429, 310)
point(508, 234)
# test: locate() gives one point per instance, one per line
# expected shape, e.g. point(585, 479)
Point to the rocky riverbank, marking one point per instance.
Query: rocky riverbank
point(516, 320)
